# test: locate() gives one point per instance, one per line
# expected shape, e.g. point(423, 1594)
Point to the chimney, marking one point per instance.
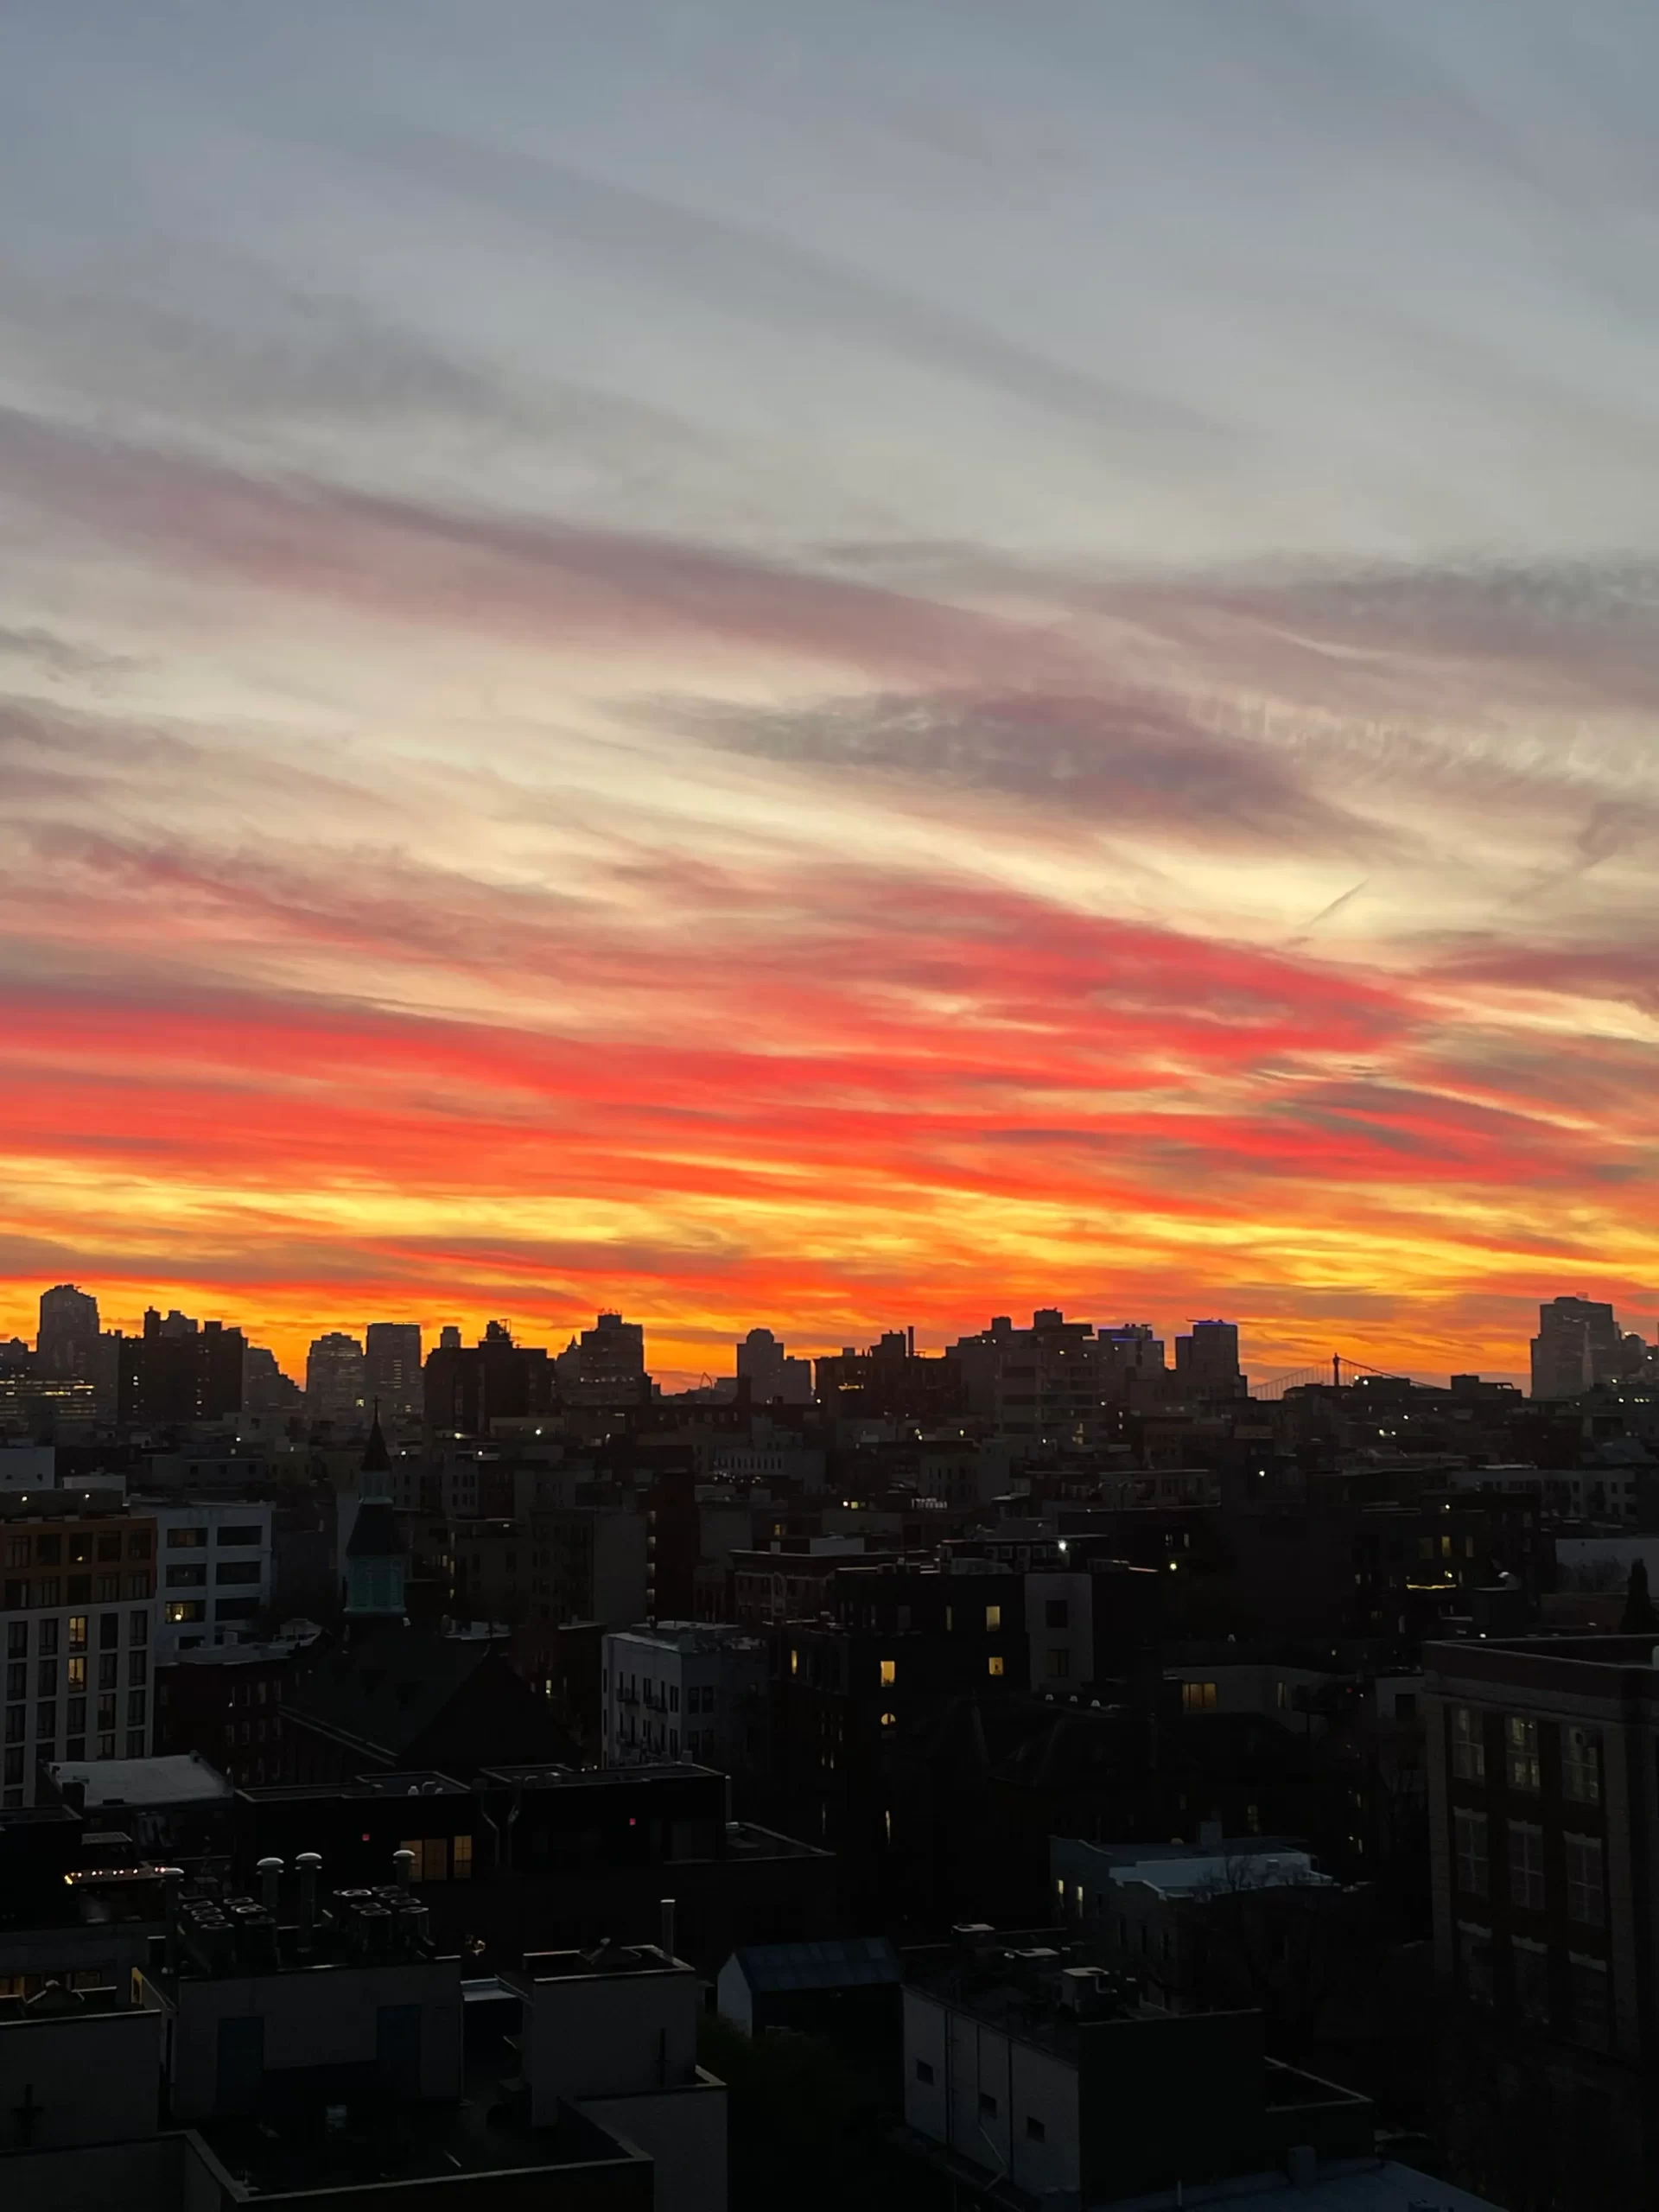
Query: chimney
point(307, 1863)
point(403, 1866)
point(667, 1936)
point(270, 1871)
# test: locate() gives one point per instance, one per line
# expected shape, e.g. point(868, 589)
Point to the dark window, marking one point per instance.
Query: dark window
point(924, 2071)
point(48, 1550)
point(244, 1532)
point(986, 2105)
point(17, 1634)
point(1035, 2132)
point(138, 1543)
point(109, 1631)
point(109, 1546)
point(237, 1570)
point(1057, 1612)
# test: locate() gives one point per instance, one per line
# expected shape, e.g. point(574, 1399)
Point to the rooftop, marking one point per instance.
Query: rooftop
point(857, 1961)
point(183, 1778)
point(1341, 2185)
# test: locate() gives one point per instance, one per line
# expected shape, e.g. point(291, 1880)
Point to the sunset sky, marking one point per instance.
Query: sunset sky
point(835, 665)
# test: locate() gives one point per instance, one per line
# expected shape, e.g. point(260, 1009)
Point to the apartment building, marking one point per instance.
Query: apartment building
point(215, 1556)
point(76, 1619)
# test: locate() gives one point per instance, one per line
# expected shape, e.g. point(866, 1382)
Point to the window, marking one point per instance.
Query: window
point(49, 1637)
point(106, 1747)
point(107, 1716)
point(1468, 1744)
point(1580, 1766)
point(1058, 1665)
point(1035, 2132)
point(109, 1587)
point(137, 1628)
point(186, 1577)
point(673, 1697)
point(137, 1669)
point(17, 1678)
point(461, 1863)
point(184, 1609)
point(109, 1669)
point(109, 1631)
point(17, 1551)
point(1586, 1897)
point(138, 1543)
point(249, 1532)
point(1526, 1866)
point(77, 1631)
point(1405, 1705)
point(109, 1546)
point(75, 1719)
point(79, 1589)
point(1529, 1963)
point(1057, 1612)
point(1521, 1740)
point(237, 1570)
point(923, 2072)
point(986, 2105)
point(46, 1724)
point(1282, 1695)
point(77, 1673)
point(16, 1723)
point(1587, 1993)
point(187, 1540)
point(432, 1858)
point(48, 1592)
point(135, 1742)
point(138, 1585)
point(994, 1666)
point(889, 1721)
point(134, 1709)
point(48, 1550)
point(889, 1672)
point(992, 1616)
point(1473, 1864)
point(80, 1549)
point(14, 1766)
point(17, 1639)
point(236, 1609)
point(1198, 1697)
point(45, 1678)
point(794, 1663)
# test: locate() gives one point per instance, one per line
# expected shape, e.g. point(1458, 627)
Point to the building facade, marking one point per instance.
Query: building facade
point(76, 1619)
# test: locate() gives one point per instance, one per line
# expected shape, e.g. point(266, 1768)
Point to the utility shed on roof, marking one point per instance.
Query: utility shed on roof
point(815, 1988)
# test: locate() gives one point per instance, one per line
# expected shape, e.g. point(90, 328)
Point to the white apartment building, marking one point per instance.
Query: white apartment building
point(682, 1690)
point(76, 1618)
point(215, 1570)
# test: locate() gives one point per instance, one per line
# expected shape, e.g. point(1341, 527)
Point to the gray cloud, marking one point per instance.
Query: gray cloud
point(1104, 762)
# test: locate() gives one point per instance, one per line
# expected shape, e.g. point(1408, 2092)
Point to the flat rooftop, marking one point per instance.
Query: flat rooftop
point(180, 1779)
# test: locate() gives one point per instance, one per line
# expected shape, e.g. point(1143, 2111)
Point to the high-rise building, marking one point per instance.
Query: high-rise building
point(606, 1366)
point(67, 1342)
point(465, 1387)
point(770, 1373)
point(179, 1373)
point(1578, 1345)
point(1207, 1361)
point(267, 1393)
point(76, 1619)
point(394, 1370)
point(336, 1381)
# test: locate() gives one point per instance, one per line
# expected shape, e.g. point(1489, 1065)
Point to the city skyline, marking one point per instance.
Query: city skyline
point(776, 668)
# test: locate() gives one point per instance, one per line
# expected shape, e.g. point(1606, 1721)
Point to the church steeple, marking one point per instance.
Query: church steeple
point(375, 1561)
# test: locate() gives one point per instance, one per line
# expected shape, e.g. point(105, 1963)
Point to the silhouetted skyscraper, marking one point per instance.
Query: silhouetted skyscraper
point(769, 1372)
point(1578, 1344)
point(393, 1363)
point(336, 1381)
point(67, 1344)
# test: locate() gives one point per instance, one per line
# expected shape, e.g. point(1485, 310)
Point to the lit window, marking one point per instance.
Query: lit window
point(1522, 1738)
point(1468, 1745)
point(1580, 1766)
point(889, 1673)
point(993, 1665)
point(1198, 1697)
point(794, 1663)
point(461, 1858)
point(77, 1631)
point(992, 1616)
point(889, 1721)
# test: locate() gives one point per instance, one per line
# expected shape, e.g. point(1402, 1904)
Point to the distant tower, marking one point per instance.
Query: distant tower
point(67, 1344)
point(375, 1561)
